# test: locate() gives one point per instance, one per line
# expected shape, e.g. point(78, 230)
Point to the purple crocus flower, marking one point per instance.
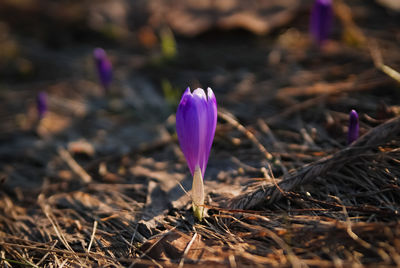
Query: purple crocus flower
point(321, 20)
point(41, 104)
point(196, 121)
point(104, 67)
point(353, 127)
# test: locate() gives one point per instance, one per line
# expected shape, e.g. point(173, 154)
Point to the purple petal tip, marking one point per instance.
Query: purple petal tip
point(99, 53)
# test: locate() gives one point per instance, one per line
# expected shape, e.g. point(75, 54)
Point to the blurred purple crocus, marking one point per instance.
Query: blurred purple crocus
point(196, 121)
point(104, 67)
point(321, 20)
point(353, 127)
point(41, 104)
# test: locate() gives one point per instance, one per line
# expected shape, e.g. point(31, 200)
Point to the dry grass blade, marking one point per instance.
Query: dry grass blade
point(47, 211)
point(292, 258)
point(47, 254)
point(378, 62)
point(92, 236)
point(182, 262)
point(66, 156)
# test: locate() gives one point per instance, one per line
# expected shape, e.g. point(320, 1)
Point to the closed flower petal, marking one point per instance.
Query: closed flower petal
point(187, 127)
point(353, 127)
point(211, 124)
point(196, 120)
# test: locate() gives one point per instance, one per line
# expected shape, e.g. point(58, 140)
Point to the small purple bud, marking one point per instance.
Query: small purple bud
point(41, 104)
point(353, 127)
point(104, 67)
point(196, 121)
point(321, 20)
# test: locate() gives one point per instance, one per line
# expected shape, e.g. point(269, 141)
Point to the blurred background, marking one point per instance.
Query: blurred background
point(258, 56)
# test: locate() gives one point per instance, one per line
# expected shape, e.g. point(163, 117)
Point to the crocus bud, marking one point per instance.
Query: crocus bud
point(321, 20)
point(104, 67)
point(196, 121)
point(353, 127)
point(41, 104)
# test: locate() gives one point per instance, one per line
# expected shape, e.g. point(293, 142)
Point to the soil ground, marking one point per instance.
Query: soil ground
point(101, 180)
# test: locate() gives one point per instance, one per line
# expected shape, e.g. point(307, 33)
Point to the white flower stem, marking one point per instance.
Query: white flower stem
point(198, 194)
